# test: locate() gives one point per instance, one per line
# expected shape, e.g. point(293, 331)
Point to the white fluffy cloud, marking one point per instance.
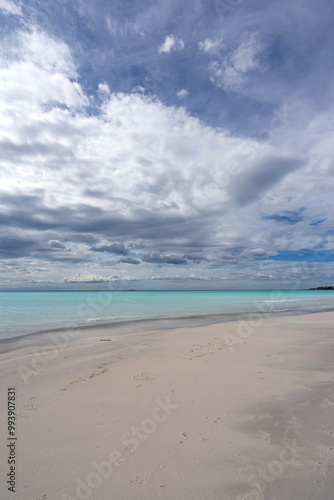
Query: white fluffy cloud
point(231, 73)
point(36, 69)
point(210, 46)
point(181, 94)
point(9, 7)
point(103, 90)
point(171, 43)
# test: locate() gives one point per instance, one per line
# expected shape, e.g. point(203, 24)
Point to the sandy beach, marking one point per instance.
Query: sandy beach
point(239, 410)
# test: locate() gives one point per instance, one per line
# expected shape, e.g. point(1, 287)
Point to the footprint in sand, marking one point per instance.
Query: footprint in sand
point(143, 376)
point(327, 403)
point(138, 480)
point(30, 406)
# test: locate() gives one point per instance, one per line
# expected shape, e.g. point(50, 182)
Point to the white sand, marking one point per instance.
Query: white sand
point(175, 415)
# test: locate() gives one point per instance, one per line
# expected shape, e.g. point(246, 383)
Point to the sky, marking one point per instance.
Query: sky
point(148, 144)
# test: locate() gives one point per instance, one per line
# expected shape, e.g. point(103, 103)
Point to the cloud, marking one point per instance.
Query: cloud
point(171, 43)
point(157, 258)
point(232, 72)
point(56, 244)
point(129, 260)
point(182, 94)
point(79, 238)
point(123, 28)
point(263, 175)
point(88, 278)
point(37, 69)
point(245, 57)
point(103, 90)
point(117, 248)
point(210, 46)
point(15, 247)
point(258, 252)
point(9, 7)
point(85, 161)
point(197, 258)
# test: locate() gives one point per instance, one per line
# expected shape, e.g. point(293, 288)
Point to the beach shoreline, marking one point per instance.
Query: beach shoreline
point(132, 326)
point(236, 410)
point(25, 313)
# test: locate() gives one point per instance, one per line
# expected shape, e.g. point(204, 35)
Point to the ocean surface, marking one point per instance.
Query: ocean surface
point(29, 312)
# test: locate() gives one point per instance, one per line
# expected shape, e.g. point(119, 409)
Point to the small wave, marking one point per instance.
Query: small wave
point(111, 318)
point(281, 310)
point(124, 317)
point(288, 300)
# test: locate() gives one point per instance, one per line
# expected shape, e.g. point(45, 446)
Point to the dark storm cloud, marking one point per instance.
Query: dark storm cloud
point(117, 248)
point(197, 258)
point(30, 213)
point(258, 252)
point(157, 258)
point(263, 175)
point(14, 247)
point(56, 244)
point(90, 239)
point(62, 260)
point(129, 260)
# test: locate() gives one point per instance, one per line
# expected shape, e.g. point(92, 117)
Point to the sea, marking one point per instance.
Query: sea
point(26, 312)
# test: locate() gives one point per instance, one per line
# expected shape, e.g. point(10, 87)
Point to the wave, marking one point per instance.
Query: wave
point(289, 300)
point(111, 317)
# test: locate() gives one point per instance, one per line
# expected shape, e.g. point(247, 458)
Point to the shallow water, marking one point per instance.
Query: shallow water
point(28, 312)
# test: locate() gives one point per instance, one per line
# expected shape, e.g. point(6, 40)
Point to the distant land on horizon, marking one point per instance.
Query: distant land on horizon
point(322, 288)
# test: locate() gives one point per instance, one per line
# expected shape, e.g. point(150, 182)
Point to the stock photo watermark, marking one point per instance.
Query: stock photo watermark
point(290, 455)
point(130, 441)
point(245, 328)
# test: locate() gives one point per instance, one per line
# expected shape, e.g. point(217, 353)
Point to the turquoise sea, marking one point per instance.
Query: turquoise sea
point(29, 312)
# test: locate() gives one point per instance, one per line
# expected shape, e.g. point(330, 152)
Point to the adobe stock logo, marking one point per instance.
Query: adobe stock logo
point(130, 441)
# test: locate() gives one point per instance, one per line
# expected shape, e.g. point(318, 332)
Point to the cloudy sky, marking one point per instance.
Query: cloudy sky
point(166, 144)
